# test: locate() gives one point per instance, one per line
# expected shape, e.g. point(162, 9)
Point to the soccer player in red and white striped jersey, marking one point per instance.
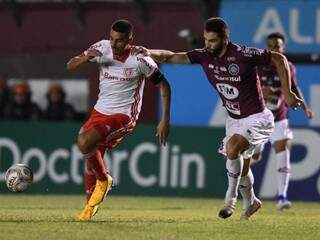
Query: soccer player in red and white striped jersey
point(122, 79)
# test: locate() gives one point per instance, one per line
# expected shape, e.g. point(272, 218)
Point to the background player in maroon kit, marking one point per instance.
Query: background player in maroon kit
point(122, 78)
point(231, 69)
point(273, 95)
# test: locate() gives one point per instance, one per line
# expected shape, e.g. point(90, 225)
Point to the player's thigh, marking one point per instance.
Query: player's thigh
point(236, 145)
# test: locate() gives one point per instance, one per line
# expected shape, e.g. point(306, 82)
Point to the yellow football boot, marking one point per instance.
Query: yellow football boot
point(100, 191)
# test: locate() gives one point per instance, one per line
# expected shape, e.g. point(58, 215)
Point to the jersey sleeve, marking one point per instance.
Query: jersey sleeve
point(257, 56)
point(194, 56)
point(147, 66)
point(100, 46)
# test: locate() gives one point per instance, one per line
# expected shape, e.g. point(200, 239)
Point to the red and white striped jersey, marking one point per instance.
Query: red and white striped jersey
point(121, 80)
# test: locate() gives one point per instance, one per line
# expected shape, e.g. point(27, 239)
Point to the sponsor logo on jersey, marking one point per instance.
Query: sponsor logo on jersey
point(231, 79)
point(95, 46)
point(228, 91)
point(108, 76)
point(233, 107)
point(249, 52)
point(231, 59)
point(142, 60)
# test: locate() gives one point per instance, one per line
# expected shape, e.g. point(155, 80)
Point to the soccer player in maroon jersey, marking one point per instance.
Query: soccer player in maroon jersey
point(274, 97)
point(232, 71)
point(122, 78)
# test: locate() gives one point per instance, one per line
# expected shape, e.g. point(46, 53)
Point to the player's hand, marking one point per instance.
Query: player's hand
point(292, 100)
point(135, 50)
point(309, 114)
point(163, 131)
point(92, 53)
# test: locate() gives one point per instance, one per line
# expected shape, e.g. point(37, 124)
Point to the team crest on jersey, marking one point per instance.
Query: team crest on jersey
point(127, 72)
point(233, 69)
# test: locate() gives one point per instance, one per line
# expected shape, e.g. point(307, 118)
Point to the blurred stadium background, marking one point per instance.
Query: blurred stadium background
point(39, 36)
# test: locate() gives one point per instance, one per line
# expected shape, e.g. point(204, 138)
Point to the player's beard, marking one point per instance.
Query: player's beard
point(116, 52)
point(216, 51)
point(120, 51)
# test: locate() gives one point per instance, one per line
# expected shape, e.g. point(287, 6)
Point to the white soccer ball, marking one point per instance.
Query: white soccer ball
point(18, 177)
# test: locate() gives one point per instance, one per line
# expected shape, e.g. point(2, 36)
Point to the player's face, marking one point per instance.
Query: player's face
point(119, 42)
point(276, 44)
point(213, 43)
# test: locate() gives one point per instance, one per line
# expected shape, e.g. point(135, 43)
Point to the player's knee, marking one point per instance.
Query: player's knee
point(232, 151)
point(256, 157)
point(83, 144)
point(281, 145)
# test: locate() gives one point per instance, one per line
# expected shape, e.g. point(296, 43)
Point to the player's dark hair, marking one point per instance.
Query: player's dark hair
point(276, 35)
point(217, 25)
point(122, 26)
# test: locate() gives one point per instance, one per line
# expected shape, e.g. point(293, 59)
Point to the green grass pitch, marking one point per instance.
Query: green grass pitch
point(54, 217)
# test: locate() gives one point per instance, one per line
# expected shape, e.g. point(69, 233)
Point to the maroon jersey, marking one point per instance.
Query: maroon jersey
point(234, 76)
point(275, 101)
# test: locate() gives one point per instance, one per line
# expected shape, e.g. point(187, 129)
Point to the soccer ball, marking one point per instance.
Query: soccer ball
point(18, 177)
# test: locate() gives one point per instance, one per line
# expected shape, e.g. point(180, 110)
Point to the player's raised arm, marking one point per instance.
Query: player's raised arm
point(77, 61)
point(282, 65)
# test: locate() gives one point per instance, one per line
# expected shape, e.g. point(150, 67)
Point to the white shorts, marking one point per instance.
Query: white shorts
point(256, 128)
point(281, 131)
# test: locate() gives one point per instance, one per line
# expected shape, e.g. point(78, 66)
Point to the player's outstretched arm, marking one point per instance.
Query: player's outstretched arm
point(77, 61)
point(164, 124)
point(166, 56)
point(282, 65)
point(162, 56)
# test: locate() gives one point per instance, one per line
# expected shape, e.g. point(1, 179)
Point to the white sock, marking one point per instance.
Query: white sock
point(283, 171)
point(234, 169)
point(246, 189)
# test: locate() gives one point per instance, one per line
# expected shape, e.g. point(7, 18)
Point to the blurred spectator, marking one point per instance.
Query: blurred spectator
point(4, 96)
point(192, 39)
point(20, 106)
point(58, 109)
